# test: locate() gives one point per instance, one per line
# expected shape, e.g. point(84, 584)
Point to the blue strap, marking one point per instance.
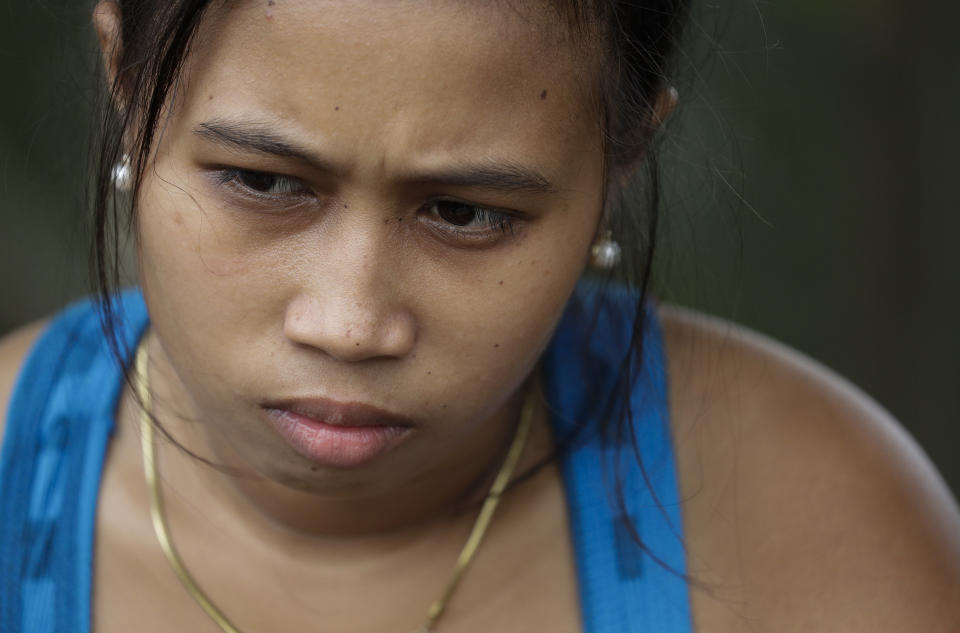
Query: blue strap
point(625, 586)
point(58, 425)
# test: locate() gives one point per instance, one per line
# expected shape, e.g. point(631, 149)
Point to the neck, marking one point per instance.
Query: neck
point(449, 491)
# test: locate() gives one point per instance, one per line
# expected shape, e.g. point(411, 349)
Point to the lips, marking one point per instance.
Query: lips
point(344, 435)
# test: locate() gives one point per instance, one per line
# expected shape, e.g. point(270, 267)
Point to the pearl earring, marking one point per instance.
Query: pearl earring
point(122, 174)
point(605, 252)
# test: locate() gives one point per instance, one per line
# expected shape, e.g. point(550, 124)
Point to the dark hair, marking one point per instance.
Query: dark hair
point(638, 40)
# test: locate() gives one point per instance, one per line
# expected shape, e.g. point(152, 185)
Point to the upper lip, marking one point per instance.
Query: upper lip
point(340, 413)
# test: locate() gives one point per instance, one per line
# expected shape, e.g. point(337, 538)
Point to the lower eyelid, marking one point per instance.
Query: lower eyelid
point(481, 233)
point(492, 224)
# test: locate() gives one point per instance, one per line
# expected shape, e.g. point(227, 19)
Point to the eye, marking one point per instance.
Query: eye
point(261, 183)
point(462, 215)
point(463, 224)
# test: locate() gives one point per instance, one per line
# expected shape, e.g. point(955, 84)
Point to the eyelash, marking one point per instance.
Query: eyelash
point(233, 177)
point(492, 220)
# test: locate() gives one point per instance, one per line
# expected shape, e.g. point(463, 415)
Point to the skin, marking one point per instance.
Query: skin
point(805, 508)
point(351, 286)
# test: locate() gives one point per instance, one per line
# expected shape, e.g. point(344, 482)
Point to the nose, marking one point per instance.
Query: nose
point(350, 326)
point(349, 303)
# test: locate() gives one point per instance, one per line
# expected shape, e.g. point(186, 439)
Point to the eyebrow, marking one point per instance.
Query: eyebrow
point(255, 137)
point(492, 175)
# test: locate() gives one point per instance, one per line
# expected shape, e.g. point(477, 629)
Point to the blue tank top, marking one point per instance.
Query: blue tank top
point(62, 412)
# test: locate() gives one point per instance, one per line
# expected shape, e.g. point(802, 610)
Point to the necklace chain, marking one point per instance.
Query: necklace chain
point(158, 516)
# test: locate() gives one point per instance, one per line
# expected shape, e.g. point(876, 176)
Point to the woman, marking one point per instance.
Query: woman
point(361, 229)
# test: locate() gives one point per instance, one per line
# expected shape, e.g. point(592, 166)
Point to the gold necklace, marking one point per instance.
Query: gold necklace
point(186, 579)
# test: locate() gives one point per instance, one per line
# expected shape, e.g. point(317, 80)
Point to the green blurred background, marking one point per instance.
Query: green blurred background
point(810, 185)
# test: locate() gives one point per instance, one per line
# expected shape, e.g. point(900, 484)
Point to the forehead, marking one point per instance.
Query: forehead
point(401, 80)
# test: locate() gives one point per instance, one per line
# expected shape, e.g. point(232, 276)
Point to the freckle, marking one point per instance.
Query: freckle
point(429, 373)
point(178, 217)
point(501, 283)
point(210, 98)
point(386, 221)
point(336, 107)
point(399, 219)
point(358, 344)
point(496, 344)
point(270, 3)
point(543, 95)
point(313, 468)
point(444, 407)
point(546, 273)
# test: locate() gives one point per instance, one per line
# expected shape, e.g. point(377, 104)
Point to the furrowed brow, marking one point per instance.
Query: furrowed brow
point(248, 136)
point(500, 176)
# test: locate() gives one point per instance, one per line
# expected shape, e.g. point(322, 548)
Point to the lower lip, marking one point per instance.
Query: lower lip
point(335, 445)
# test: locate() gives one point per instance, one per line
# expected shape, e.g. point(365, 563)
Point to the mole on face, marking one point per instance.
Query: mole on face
point(543, 95)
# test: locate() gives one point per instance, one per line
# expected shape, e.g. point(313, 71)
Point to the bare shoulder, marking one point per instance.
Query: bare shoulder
point(13, 351)
point(806, 506)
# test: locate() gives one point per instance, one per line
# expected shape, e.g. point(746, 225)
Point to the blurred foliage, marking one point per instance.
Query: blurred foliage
point(810, 192)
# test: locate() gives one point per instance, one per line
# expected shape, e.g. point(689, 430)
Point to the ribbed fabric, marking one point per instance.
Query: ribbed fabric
point(624, 586)
point(60, 419)
point(62, 413)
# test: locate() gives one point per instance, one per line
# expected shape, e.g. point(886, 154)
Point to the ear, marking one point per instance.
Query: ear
point(106, 21)
point(663, 107)
point(666, 103)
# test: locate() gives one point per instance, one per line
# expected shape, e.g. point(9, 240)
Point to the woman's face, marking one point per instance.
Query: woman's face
point(383, 203)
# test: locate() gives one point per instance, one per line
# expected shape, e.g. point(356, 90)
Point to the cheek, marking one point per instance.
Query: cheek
point(186, 233)
point(204, 289)
point(487, 330)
